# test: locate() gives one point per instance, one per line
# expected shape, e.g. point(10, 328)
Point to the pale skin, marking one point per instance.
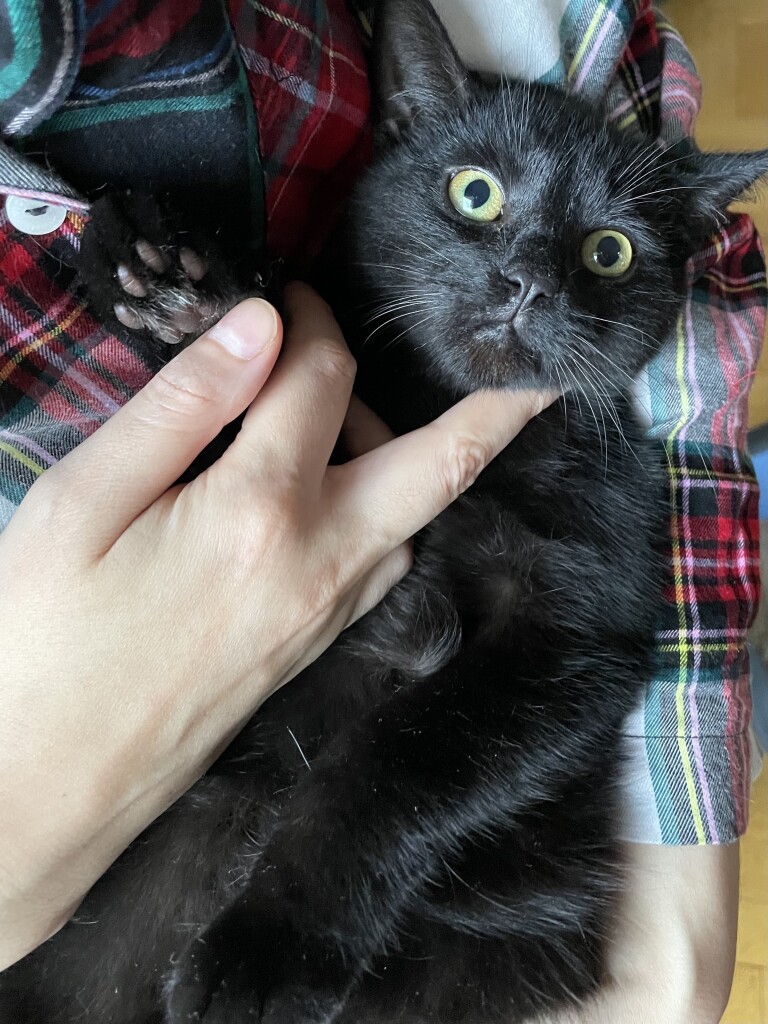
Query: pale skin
point(145, 622)
point(672, 954)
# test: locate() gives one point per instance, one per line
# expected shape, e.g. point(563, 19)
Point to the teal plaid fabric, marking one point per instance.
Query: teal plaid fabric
point(92, 93)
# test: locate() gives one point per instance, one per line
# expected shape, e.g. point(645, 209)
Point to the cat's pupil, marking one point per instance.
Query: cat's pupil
point(608, 251)
point(477, 193)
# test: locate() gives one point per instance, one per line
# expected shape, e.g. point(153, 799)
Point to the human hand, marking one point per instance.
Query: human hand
point(145, 621)
point(672, 952)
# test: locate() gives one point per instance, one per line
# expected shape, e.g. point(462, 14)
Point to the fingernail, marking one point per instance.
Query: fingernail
point(246, 330)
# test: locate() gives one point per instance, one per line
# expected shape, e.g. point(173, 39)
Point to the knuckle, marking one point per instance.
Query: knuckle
point(50, 510)
point(464, 461)
point(336, 363)
point(44, 501)
point(538, 403)
point(284, 500)
point(268, 525)
point(256, 546)
point(324, 590)
point(398, 564)
point(403, 560)
point(180, 392)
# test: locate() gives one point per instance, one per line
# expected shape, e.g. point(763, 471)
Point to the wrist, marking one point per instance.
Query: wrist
point(71, 804)
point(65, 815)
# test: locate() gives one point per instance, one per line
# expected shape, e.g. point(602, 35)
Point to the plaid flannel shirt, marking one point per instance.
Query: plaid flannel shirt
point(270, 97)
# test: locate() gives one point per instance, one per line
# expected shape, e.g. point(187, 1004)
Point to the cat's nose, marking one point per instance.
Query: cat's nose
point(529, 287)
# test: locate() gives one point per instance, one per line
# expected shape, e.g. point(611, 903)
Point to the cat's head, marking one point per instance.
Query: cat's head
point(513, 236)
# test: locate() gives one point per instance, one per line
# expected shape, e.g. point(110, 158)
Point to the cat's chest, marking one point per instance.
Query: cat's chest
point(544, 524)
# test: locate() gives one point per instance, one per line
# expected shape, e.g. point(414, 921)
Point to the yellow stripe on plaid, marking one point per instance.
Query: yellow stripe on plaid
point(36, 468)
point(18, 357)
point(731, 289)
point(683, 647)
point(713, 476)
point(577, 57)
point(677, 562)
point(645, 104)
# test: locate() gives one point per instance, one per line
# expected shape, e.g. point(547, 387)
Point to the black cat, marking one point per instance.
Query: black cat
point(422, 826)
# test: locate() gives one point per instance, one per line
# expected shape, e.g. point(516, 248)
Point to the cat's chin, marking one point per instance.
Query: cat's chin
point(495, 356)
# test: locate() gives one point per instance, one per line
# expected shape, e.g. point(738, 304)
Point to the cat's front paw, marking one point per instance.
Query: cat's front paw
point(144, 272)
point(251, 964)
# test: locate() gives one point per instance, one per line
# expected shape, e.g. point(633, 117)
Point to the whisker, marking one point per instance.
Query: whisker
point(610, 407)
point(416, 256)
point(391, 307)
point(616, 323)
point(399, 316)
point(432, 316)
point(603, 438)
point(437, 252)
point(647, 170)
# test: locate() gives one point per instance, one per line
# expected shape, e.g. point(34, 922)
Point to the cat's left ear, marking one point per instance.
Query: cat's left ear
point(416, 67)
point(717, 179)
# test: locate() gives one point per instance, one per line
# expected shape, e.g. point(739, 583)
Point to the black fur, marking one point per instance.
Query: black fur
point(422, 827)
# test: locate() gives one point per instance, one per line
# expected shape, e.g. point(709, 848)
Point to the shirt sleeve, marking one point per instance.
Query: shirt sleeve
point(688, 765)
point(688, 755)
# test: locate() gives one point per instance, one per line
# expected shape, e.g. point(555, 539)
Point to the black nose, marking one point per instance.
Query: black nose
point(530, 287)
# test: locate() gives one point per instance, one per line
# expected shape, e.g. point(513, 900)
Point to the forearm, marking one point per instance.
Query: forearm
point(65, 817)
point(39, 895)
point(672, 954)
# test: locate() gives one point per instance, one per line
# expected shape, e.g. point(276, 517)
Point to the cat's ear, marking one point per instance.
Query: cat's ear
point(717, 179)
point(415, 64)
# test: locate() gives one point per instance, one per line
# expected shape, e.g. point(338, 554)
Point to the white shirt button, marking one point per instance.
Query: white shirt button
point(34, 216)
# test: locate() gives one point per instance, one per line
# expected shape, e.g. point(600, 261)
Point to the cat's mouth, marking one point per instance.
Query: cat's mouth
point(506, 323)
point(507, 334)
point(500, 354)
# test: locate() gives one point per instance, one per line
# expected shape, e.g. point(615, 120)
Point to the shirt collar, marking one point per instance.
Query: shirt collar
point(19, 176)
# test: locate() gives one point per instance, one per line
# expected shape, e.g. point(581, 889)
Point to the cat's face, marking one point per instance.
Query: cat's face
point(513, 238)
point(508, 239)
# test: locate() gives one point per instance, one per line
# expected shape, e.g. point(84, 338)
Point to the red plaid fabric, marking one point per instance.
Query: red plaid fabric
point(687, 772)
point(269, 98)
point(276, 98)
point(308, 80)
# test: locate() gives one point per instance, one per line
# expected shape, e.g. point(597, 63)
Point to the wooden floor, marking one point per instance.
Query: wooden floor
point(749, 997)
point(729, 42)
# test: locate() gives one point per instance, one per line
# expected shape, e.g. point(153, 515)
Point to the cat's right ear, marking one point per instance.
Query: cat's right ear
point(415, 65)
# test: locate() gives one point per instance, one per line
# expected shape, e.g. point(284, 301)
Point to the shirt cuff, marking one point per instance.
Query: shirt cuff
point(685, 790)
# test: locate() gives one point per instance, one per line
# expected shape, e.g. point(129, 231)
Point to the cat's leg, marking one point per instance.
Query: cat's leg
point(151, 279)
point(371, 827)
point(106, 965)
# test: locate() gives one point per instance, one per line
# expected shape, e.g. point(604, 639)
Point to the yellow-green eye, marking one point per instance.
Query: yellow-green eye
point(607, 253)
point(476, 195)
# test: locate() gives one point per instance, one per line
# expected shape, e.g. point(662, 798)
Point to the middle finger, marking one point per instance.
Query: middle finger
point(296, 419)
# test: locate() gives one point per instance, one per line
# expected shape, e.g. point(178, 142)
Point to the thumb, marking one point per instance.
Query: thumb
point(142, 450)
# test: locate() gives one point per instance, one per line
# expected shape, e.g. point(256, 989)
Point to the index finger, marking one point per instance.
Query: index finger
point(401, 486)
